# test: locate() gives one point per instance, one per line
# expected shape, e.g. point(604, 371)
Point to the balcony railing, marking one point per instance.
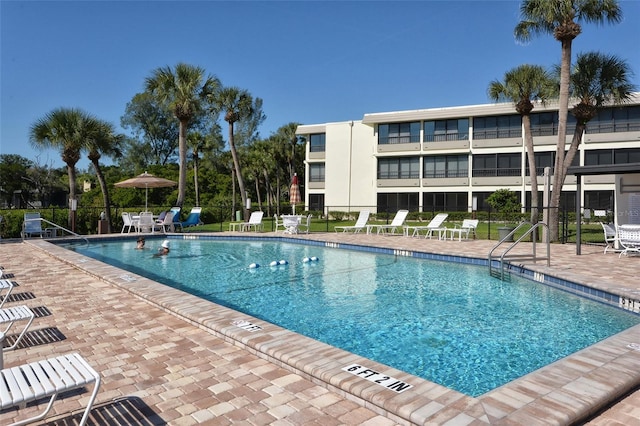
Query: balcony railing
point(390, 140)
point(496, 172)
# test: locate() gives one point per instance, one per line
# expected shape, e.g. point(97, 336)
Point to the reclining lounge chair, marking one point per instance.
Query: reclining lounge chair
point(361, 223)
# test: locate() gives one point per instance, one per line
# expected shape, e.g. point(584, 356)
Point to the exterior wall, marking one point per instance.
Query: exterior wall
point(352, 150)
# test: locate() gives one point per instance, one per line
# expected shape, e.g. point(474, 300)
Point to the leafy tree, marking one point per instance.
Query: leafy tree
point(523, 85)
point(597, 80)
point(155, 124)
point(185, 90)
point(561, 18)
point(13, 172)
point(68, 130)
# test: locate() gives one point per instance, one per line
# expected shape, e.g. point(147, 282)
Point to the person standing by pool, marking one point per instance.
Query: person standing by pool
point(164, 249)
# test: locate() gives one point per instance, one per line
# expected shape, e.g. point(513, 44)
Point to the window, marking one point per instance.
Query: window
point(543, 159)
point(496, 165)
point(392, 202)
point(399, 133)
point(446, 130)
point(503, 126)
point(611, 156)
point(544, 124)
point(317, 142)
point(621, 119)
point(399, 168)
point(316, 202)
point(445, 166)
point(443, 201)
point(316, 172)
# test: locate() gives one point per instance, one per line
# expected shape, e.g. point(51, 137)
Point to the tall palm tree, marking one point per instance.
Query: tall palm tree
point(186, 89)
point(104, 141)
point(561, 18)
point(523, 85)
point(65, 129)
point(237, 104)
point(597, 80)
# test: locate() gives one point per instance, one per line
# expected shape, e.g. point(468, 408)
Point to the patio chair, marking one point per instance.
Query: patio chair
point(396, 223)
point(468, 227)
point(277, 224)
point(255, 222)
point(629, 239)
point(16, 313)
point(361, 223)
point(193, 219)
point(434, 225)
point(610, 237)
point(47, 378)
point(146, 223)
point(305, 226)
point(32, 225)
point(166, 225)
point(128, 222)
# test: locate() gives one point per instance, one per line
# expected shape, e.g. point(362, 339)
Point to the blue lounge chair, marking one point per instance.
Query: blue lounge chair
point(193, 219)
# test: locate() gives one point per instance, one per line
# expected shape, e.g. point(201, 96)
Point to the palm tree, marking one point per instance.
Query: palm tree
point(237, 105)
point(561, 19)
point(186, 90)
point(104, 141)
point(66, 129)
point(523, 85)
point(597, 80)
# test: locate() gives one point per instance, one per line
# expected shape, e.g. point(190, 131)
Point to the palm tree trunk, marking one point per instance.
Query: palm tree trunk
point(195, 177)
point(71, 220)
point(105, 194)
point(182, 162)
point(236, 164)
point(533, 173)
point(563, 109)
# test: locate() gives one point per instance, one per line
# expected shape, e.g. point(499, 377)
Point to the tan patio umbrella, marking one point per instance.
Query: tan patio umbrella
point(146, 181)
point(294, 192)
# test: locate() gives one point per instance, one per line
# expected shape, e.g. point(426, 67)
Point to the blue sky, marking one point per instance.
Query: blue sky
point(310, 62)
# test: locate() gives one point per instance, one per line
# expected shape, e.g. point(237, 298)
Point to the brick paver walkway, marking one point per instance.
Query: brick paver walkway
point(159, 369)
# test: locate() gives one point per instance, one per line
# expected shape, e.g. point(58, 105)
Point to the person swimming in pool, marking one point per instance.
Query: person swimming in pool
point(163, 250)
point(140, 245)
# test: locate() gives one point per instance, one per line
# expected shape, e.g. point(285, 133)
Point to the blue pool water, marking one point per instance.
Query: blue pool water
point(448, 323)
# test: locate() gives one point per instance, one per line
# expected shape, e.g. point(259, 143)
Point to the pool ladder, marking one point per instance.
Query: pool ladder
point(499, 266)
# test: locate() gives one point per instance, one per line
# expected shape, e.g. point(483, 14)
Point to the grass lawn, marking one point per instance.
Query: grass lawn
point(591, 233)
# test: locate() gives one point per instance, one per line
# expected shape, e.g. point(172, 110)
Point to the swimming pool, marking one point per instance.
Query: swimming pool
point(450, 324)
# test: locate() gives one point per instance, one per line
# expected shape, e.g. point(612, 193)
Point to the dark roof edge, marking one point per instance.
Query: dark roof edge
point(604, 169)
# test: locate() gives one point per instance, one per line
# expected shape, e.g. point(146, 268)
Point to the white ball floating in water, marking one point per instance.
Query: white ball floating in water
point(283, 262)
point(314, 259)
point(274, 263)
point(254, 266)
point(305, 259)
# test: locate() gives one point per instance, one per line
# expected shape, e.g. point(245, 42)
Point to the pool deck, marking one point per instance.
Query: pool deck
point(170, 358)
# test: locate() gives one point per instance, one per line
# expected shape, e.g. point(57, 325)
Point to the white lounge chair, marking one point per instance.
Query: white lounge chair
point(32, 225)
point(396, 223)
point(468, 227)
point(47, 378)
point(146, 222)
point(434, 225)
point(16, 313)
point(5, 285)
point(361, 223)
point(629, 239)
point(255, 222)
point(610, 237)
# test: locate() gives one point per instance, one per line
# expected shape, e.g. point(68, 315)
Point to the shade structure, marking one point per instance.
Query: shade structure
point(294, 193)
point(146, 181)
